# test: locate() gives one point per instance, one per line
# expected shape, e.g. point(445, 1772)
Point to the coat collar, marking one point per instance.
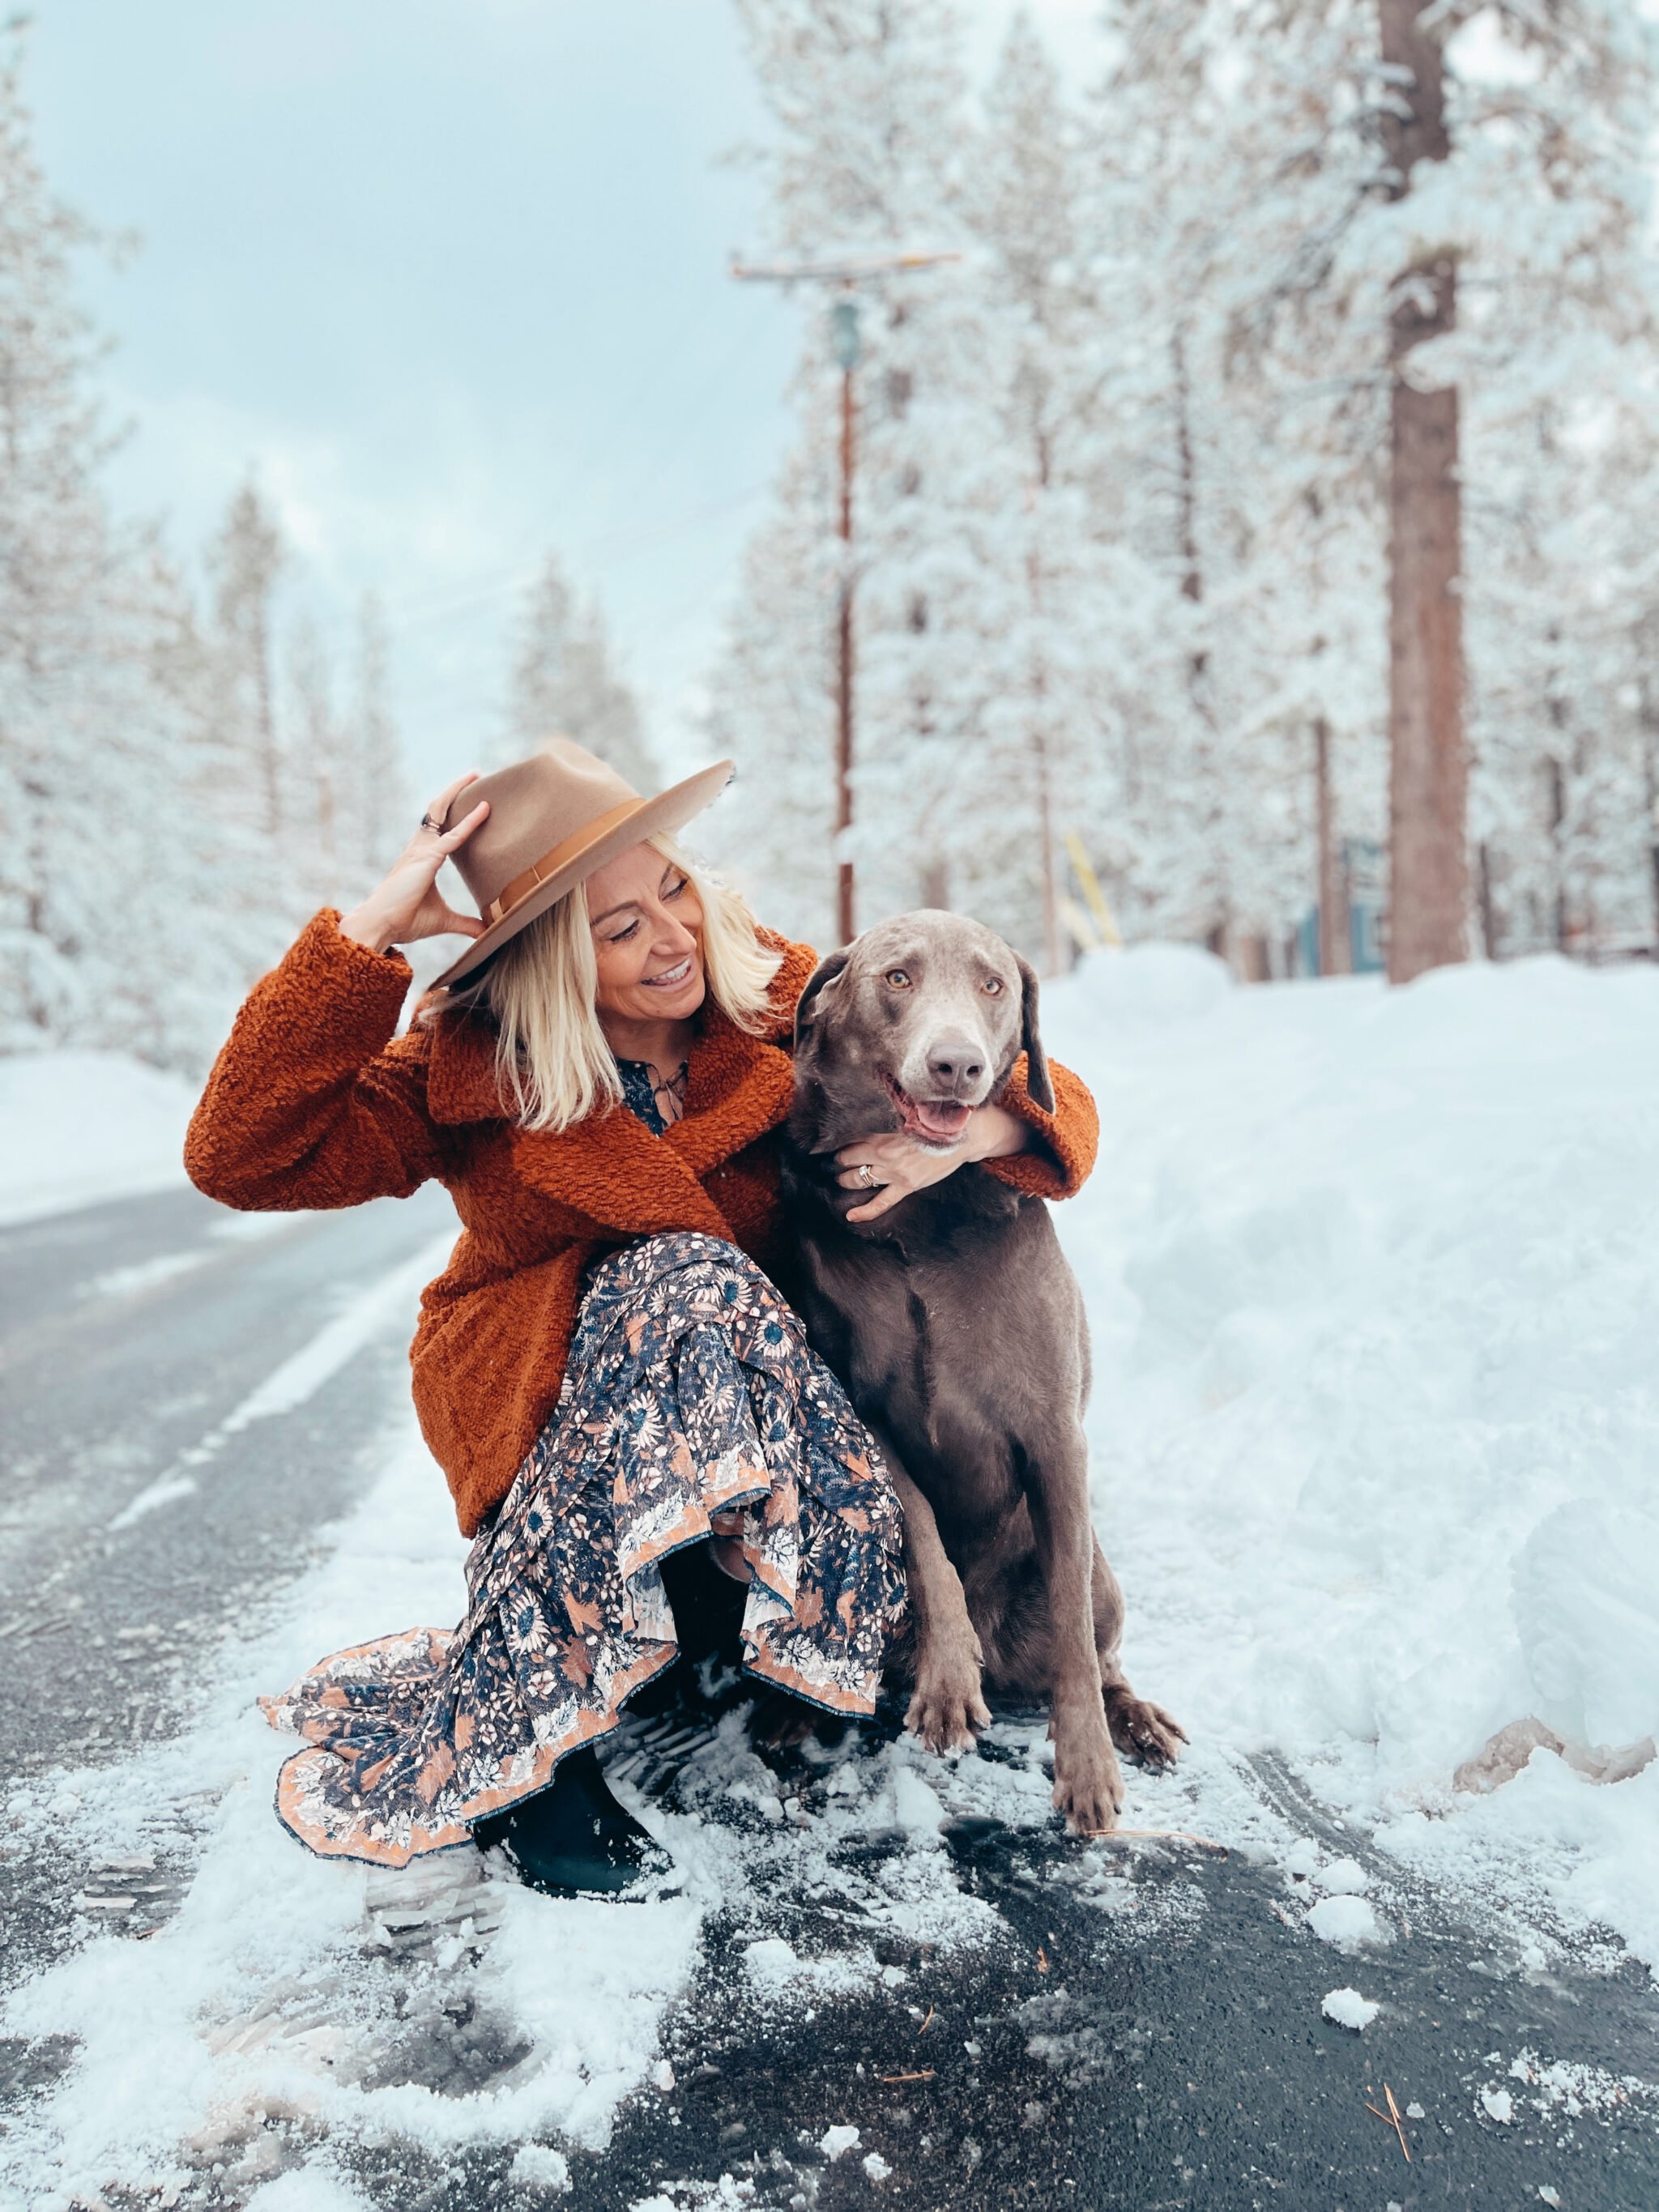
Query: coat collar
point(611, 1167)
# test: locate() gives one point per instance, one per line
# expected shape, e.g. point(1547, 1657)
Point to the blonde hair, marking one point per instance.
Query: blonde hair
point(551, 1057)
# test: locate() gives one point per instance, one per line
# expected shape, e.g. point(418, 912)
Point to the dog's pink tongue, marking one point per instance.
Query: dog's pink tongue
point(940, 1121)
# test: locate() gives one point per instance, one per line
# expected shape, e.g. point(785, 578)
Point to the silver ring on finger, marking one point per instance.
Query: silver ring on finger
point(867, 1175)
point(436, 827)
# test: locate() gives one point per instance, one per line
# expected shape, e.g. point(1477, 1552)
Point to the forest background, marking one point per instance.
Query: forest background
point(1119, 566)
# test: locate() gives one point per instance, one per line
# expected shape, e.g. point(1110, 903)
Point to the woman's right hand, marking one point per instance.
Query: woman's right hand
point(407, 904)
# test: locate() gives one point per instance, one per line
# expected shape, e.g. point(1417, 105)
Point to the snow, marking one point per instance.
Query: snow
point(1349, 2009)
point(1346, 1921)
point(1374, 1279)
point(1374, 1283)
point(836, 2142)
point(85, 1125)
point(537, 2166)
point(1342, 1878)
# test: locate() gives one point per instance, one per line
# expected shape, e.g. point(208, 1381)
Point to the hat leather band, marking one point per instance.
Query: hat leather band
point(570, 849)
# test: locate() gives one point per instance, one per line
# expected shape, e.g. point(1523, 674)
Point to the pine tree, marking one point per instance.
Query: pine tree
point(245, 560)
point(382, 812)
point(563, 683)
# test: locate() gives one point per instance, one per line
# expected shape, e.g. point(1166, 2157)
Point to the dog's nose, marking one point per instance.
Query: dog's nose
point(955, 1062)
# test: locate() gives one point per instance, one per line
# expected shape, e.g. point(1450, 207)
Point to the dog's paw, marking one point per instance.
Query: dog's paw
point(1144, 1730)
point(947, 1710)
point(1088, 1780)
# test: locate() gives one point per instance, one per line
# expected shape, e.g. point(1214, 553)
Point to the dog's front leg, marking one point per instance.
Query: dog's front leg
point(1088, 1780)
point(947, 1707)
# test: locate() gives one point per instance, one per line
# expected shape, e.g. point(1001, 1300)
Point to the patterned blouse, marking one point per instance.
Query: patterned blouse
point(639, 1096)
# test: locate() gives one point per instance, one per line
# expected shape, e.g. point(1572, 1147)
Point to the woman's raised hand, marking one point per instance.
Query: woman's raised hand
point(407, 904)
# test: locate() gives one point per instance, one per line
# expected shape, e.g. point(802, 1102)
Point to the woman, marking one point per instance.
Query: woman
point(605, 1373)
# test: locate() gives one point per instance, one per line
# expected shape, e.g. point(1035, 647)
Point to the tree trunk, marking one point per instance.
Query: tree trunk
point(936, 884)
point(1428, 782)
point(1558, 841)
point(1333, 950)
point(1488, 909)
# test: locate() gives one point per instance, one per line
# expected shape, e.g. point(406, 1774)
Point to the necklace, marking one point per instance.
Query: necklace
point(670, 1090)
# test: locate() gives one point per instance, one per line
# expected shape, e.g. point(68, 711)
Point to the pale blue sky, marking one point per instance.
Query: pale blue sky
point(450, 274)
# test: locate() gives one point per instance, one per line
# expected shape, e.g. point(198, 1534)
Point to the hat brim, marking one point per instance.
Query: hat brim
point(669, 809)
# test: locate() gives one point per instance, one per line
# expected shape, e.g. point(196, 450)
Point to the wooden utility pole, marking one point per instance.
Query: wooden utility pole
point(844, 275)
point(1428, 776)
point(847, 352)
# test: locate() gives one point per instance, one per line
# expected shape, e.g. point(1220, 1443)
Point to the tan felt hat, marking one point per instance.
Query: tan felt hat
point(552, 820)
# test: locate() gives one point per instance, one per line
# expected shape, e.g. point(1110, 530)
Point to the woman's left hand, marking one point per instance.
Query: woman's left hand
point(898, 1165)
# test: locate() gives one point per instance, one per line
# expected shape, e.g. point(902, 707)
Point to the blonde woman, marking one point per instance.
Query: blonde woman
point(620, 1400)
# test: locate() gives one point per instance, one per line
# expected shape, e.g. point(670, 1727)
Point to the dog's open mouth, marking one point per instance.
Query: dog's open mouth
point(931, 1121)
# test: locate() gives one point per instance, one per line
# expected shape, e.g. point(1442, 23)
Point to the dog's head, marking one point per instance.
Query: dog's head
point(914, 1024)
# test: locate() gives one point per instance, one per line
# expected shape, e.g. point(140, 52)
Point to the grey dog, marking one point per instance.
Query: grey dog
point(959, 1330)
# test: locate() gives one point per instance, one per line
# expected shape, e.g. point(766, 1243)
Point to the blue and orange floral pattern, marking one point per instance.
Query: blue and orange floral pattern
point(690, 1390)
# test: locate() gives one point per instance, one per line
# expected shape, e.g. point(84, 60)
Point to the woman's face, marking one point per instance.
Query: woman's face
point(648, 938)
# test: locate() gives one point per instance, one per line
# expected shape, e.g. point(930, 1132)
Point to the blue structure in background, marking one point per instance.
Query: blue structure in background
point(1365, 873)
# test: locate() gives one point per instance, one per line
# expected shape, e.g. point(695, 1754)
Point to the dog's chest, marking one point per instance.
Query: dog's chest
point(908, 1347)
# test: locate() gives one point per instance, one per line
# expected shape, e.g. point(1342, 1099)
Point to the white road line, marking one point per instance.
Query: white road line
point(302, 1375)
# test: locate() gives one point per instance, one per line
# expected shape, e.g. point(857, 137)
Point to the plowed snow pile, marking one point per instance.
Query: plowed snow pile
point(84, 1126)
point(1373, 1282)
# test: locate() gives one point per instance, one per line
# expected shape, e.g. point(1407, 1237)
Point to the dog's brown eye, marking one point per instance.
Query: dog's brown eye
point(898, 979)
point(993, 985)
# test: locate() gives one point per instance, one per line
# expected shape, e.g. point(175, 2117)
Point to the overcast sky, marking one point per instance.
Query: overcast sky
point(449, 277)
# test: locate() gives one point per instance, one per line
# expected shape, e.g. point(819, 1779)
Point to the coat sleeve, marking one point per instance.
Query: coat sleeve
point(311, 1104)
point(1058, 1164)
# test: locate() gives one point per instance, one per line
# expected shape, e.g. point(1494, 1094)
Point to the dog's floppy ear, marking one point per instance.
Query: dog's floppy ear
point(1037, 1085)
point(825, 973)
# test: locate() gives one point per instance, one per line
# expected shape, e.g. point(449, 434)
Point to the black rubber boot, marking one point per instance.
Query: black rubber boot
point(573, 1839)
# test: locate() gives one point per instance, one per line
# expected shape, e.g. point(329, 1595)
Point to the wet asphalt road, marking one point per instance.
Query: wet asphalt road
point(129, 1333)
point(1089, 2056)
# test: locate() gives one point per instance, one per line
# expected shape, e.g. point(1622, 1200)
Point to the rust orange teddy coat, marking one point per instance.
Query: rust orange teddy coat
point(315, 1101)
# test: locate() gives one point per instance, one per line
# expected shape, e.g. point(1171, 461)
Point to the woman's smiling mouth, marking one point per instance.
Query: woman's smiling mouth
point(670, 978)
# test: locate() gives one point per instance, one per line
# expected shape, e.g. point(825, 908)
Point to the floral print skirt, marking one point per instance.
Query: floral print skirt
point(689, 1390)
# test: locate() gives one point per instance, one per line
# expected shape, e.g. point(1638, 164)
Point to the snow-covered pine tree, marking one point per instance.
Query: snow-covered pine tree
point(114, 865)
point(245, 561)
point(55, 558)
point(1053, 735)
point(1235, 454)
point(320, 788)
point(1137, 451)
point(874, 140)
point(1549, 191)
point(563, 682)
point(380, 809)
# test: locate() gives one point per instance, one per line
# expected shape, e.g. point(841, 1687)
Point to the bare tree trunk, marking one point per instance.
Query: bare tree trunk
point(1192, 588)
point(1192, 576)
point(1428, 784)
point(1488, 910)
point(1334, 951)
point(1249, 953)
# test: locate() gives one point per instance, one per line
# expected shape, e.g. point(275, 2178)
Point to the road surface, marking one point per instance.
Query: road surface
point(190, 1399)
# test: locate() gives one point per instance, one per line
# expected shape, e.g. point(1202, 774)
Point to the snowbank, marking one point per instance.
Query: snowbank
point(1374, 1286)
point(78, 1127)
